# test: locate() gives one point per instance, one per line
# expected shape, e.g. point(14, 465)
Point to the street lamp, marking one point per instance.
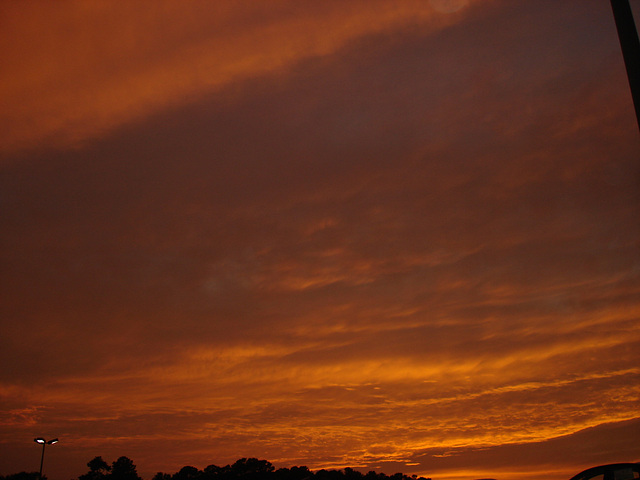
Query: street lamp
point(44, 444)
point(628, 35)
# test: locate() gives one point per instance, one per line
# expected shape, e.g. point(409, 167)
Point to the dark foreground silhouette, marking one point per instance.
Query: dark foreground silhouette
point(254, 469)
point(244, 469)
point(23, 476)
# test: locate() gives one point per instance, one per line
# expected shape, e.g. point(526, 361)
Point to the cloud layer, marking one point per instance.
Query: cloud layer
point(402, 236)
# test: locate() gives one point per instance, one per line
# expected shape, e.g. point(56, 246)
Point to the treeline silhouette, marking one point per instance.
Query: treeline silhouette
point(23, 476)
point(243, 469)
point(254, 469)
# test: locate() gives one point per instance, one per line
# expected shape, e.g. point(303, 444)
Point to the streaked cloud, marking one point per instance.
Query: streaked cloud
point(84, 69)
point(393, 234)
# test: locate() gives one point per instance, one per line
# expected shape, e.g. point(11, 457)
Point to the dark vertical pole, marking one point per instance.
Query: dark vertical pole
point(630, 48)
point(42, 459)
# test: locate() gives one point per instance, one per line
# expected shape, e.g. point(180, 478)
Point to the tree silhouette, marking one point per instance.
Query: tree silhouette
point(98, 470)
point(251, 468)
point(188, 473)
point(98, 465)
point(293, 473)
point(351, 474)
point(123, 469)
point(23, 476)
point(212, 472)
point(242, 469)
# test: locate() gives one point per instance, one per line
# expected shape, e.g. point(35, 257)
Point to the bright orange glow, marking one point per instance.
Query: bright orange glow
point(394, 235)
point(68, 83)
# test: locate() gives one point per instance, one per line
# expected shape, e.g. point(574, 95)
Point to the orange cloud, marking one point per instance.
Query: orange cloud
point(416, 251)
point(81, 69)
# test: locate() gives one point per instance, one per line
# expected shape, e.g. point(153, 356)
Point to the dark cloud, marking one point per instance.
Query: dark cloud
point(420, 247)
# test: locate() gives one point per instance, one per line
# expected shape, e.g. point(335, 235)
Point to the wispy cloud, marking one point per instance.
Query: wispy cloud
point(83, 69)
point(399, 235)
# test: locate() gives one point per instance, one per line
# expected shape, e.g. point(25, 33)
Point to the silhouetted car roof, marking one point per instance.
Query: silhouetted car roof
point(612, 471)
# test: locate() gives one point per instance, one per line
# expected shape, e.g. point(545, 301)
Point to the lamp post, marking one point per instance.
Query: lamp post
point(44, 444)
point(628, 35)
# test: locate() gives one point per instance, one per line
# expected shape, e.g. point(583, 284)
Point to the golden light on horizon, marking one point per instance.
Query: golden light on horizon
point(389, 235)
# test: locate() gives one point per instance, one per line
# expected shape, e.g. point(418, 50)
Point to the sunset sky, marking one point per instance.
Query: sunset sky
point(398, 235)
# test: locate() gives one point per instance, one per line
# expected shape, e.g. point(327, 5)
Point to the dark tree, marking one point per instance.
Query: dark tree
point(98, 470)
point(371, 475)
point(123, 469)
point(252, 468)
point(293, 473)
point(211, 472)
point(98, 465)
point(329, 475)
point(187, 473)
point(23, 476)
point(351, 474)
point(242, 469)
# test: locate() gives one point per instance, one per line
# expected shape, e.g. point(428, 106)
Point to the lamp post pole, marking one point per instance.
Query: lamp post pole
point(44, 444)
point(630, 44)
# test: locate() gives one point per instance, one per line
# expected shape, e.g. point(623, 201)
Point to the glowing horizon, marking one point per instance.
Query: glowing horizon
point(398, 236)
